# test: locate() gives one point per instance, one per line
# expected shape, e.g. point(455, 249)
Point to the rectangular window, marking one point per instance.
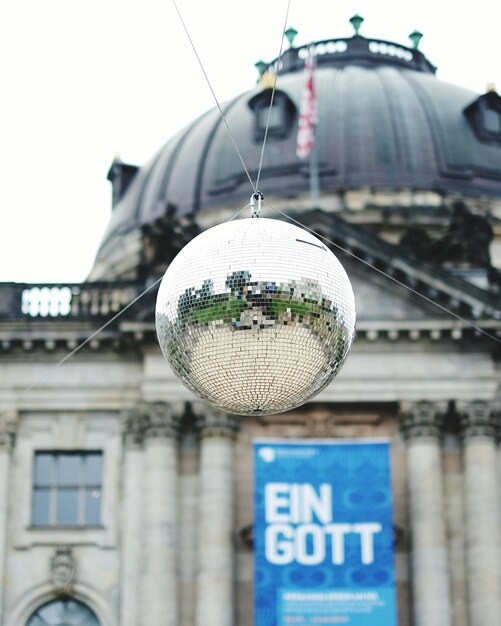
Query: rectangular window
point(275, 116)
point(492, 121)
point(67, 489)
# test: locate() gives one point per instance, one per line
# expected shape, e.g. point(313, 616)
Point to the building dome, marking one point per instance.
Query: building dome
point(385, 123)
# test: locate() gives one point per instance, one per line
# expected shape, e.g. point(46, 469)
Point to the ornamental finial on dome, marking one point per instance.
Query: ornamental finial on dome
point(356, 21)
point(266, 78)
point(290, 33)
point(260, 66)
point(415, 38)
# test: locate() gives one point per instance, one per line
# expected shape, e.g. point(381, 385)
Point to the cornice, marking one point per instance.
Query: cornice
point(131, 336)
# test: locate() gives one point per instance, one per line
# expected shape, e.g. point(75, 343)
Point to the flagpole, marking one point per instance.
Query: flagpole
point(314, 175)
point(314, 178)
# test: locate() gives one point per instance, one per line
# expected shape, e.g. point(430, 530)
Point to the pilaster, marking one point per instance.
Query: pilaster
point(8, 428)
point(134, 425)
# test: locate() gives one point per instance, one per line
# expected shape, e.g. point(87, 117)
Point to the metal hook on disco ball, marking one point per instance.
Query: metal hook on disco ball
point(256, 210)
point(255, 316)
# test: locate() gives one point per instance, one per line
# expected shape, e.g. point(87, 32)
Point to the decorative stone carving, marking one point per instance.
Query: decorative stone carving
point(213, 423)
point(162, 419)
point(479, 418)
point(422, 419)
point(166, 236)
point(134, 425)
point(466, 240)
point(8, 427)
point(156, 419)
point(63, 569)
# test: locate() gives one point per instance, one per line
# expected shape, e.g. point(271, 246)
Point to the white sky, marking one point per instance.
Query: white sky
point(82, 81)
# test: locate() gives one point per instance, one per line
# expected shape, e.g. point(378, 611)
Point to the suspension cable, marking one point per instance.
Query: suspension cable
point(279, 58)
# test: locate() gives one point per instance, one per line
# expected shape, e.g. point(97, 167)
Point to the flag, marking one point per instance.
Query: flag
point(307, 113)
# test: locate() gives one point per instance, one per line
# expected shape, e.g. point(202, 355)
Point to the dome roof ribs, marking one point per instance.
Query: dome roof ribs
point(144, 186)
point(201, 169)
point(436, 140)
point(152, 200)
point(402, 163)
point(163, 190)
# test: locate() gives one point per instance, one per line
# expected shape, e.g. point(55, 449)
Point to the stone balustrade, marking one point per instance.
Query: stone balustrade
point(83, 300)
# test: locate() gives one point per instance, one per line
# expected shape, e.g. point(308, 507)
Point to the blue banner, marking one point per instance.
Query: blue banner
point(323, 533)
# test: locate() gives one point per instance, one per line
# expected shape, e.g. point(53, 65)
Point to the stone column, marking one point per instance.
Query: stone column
point(159, 576)
point(430, 576)
point(132, 519)
point(188, 522)
point(454, 518)
point(481, 512)
point(7, 432)
point(215, 566)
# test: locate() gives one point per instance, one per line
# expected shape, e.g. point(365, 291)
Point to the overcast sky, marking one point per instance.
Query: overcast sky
point(83, 81)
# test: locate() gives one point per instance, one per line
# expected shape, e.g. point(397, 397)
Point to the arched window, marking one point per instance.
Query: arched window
point(64, 612)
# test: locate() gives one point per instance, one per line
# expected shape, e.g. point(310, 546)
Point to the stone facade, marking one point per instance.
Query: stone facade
point(175, 540)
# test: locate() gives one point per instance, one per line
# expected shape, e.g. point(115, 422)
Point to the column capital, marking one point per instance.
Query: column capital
point(134, 425)
point(479, 418)
point(422, 418)
point(163, 419)
point(152, 419)
point(8, 429)
point(214, 423)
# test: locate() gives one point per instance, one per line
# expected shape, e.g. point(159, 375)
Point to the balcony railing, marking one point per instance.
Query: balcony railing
point(352, 49)
point(78, 301)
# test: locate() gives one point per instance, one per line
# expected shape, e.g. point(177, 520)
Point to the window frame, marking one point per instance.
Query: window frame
point(278, 119)
point(63, 602)
point(484, 111)
point(82, 486)
point(475, 113)
point(283, 109)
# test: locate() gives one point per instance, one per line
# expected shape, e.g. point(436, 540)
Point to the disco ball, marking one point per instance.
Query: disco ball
point(255, 316)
